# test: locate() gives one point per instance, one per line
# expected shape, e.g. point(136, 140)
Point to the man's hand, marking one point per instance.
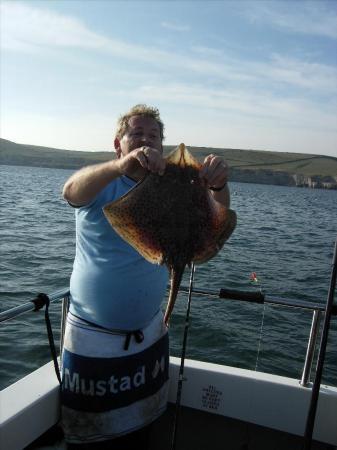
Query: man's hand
point(135, 163)
point(215, 172)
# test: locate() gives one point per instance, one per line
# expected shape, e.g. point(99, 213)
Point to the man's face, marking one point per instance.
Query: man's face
point(142, 131)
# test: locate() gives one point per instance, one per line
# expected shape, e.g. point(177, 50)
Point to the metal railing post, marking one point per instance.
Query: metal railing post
point(305, 380)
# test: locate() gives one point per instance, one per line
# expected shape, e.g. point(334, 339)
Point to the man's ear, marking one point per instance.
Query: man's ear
point(117, 146)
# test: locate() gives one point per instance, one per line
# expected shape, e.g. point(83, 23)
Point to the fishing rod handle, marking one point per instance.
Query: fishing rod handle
point(254, 297)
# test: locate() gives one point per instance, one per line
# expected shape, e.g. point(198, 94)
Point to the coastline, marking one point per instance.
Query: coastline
point(246, 166)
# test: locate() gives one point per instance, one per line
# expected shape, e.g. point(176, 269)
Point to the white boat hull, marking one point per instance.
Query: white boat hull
point(30, 406)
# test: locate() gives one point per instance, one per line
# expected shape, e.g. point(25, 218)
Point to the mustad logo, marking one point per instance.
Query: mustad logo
point(97, 385)
point(74, 383)
point(78, 385)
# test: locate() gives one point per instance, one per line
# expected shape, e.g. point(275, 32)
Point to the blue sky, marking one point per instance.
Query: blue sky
point(239, 74)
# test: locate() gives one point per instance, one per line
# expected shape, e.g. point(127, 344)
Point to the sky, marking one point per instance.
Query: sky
point(226, 74)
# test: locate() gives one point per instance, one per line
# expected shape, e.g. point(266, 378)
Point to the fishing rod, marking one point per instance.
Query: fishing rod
point(182, 363)
point(321, 356)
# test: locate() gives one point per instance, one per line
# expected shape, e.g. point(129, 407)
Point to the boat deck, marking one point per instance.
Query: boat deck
point(199, 430)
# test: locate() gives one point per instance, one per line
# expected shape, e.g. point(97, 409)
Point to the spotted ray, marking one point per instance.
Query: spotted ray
point(172, 219)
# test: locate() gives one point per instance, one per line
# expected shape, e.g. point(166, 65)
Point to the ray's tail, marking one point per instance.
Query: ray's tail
point(176, 276)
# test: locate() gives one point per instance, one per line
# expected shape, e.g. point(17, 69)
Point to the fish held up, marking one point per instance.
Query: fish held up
point(172, 219)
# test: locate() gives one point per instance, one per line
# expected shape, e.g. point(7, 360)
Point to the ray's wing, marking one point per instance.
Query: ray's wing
point(222, 225)
point(220, 230)
point(128, 219)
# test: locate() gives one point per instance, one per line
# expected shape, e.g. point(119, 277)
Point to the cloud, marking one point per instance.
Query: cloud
point(304, 17)
point(294, 112)
point(276, 92)
point(320, 77)
point(207, 51)
point(175, 26)
point(27, 28)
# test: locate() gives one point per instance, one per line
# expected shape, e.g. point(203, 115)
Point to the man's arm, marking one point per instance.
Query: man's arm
point(222, 196)
point(83, 186)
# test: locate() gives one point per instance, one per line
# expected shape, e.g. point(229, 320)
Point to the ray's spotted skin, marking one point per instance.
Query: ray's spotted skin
point(173, 219)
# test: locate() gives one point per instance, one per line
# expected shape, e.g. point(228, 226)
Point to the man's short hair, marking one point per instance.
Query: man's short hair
point(138, 110)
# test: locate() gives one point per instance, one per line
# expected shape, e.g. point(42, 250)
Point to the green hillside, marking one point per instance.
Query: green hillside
point(33, 155)
point(246, 165)
point(294, 163)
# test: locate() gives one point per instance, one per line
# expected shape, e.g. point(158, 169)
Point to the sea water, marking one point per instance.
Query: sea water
point(284, 234)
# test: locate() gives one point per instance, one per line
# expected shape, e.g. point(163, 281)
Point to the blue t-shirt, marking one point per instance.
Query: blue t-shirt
point(112, 285)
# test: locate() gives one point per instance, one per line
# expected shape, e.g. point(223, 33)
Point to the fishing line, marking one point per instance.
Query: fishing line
point(260, 337)
point(182, 363)
point(248, 436)
point(254, 279)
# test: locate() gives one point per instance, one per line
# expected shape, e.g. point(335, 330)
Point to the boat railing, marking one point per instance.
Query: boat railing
point(317, 310)
point(35, 305)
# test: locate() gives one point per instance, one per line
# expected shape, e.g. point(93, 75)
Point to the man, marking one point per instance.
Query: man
point(115, 359)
